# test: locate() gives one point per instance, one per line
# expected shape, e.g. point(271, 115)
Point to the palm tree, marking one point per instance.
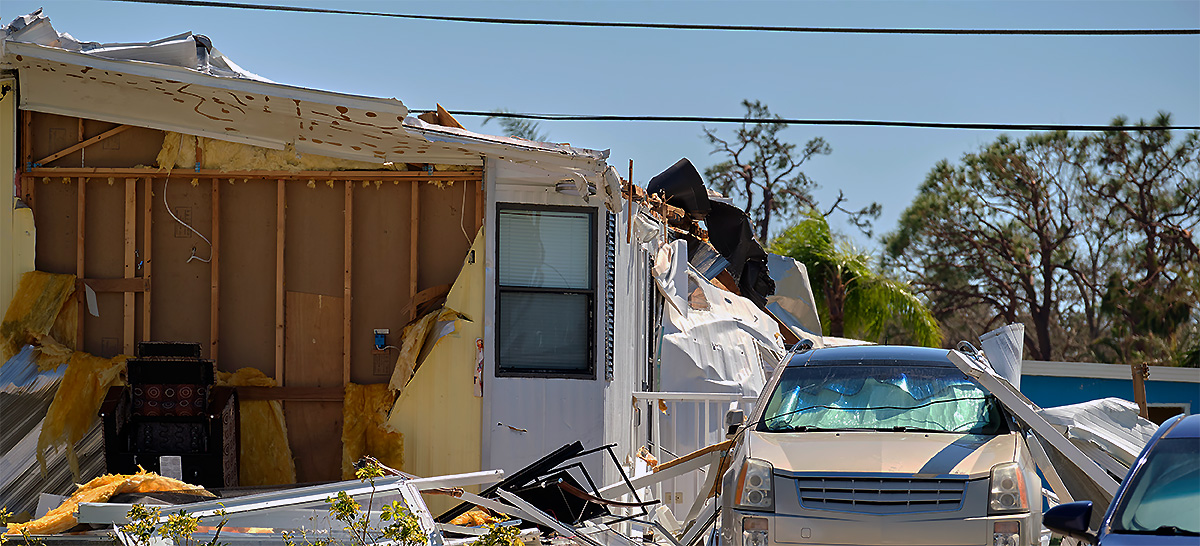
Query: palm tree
point(852, 297)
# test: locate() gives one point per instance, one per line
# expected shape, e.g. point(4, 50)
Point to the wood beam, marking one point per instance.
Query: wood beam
point(214, 319)
point(292, 394)
point(280, 206)
point(147, 244)
point(414, 227)
point(135, 284)
point(479, 205)
point(26, 139)
point(80, 227)
point(76, 147)
point(130, 261)
point(348, 231)
point(106, 172)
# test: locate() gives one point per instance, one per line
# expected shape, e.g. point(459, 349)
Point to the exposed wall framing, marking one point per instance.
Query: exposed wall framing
point(301, 268)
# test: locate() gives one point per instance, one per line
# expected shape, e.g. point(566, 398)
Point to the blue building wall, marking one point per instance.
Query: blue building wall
point(1048, 391)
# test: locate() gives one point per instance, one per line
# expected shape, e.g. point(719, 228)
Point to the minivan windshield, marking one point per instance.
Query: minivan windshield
point(858, 396)
point(1164, 494)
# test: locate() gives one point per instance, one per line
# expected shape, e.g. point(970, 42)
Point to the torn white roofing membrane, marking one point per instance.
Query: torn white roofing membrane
point(184, 84)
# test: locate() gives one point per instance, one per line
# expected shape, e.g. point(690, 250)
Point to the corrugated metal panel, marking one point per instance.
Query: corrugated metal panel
point(25, 394)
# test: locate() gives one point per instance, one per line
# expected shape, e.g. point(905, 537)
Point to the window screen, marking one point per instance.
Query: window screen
point(546, 291)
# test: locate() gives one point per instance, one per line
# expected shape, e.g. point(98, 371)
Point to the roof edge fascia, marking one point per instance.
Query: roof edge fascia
point(189, 76)
point(1093, 370)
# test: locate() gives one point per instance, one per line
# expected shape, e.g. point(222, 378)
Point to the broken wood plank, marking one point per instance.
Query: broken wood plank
point(127, 332)
point(292, 394)
point(280, 206)
point(74, 148)
point(147, 240)
point(214, 326)
point(723, 446)
point(80, 229)
point(26, 140)
point(136, 284)
point(348, 232)
point(447, 120)
point(413, 247)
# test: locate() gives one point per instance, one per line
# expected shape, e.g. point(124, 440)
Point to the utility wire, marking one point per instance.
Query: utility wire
point(842, 122)
point(686, 26)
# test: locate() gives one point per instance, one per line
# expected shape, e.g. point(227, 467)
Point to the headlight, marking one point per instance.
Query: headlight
point(1007, 494)
point(755, 489)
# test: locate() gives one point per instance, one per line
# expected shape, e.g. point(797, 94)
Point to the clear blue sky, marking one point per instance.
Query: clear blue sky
point(465, 66)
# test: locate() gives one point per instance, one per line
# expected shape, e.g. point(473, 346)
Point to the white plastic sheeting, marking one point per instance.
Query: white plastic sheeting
point(793, 301)
point(712, 340)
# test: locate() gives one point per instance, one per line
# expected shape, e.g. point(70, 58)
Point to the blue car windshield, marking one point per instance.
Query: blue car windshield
point(871, 397)
point(1163, 496)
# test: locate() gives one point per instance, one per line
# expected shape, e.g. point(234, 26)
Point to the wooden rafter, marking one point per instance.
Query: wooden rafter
point(76, 147)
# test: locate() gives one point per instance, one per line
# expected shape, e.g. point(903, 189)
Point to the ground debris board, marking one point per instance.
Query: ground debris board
point(313, 358)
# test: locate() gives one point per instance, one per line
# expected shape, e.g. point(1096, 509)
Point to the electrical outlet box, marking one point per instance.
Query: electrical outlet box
point(380, 338)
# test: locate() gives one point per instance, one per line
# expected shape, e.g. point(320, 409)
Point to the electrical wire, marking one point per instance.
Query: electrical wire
point(841, 122)
point(685, 26)
point(185, 224)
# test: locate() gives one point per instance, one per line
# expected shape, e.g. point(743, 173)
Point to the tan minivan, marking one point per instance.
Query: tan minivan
point(874, 445)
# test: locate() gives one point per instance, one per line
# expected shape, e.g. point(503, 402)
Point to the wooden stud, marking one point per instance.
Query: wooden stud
point(76, 147)
point(82, 156)
point(130, 229)
point(413, 243)
point(26, 139)
point(147, 240)
point(214, 328)
point(80, 216)
point(135, 284)
point(280, 217)
point(348, 232)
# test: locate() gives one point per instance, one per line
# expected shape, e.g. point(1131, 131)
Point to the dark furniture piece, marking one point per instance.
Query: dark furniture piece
point(171, 407)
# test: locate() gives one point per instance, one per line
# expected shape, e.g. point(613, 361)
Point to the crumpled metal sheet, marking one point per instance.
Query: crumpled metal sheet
point(1112, 424)
point(25, 395)
point(793, 296)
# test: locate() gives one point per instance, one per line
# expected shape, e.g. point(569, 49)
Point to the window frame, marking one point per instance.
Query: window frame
point(546, 373)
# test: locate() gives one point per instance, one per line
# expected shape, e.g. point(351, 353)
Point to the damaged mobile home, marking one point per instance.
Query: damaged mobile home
point(216, 277)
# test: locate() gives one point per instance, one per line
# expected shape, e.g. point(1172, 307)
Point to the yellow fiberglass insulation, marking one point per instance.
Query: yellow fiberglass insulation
point(412, 345)
point(265, 455)
point(76, 404)
point(34, 308)
point(179, 152)
point(100, 489)
point(364, 418)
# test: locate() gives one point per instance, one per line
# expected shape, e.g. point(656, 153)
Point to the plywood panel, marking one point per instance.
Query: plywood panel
point(380, 264)
point(314, 256)
point(52, 133)
point(247, 267)
point(313, 358)
point(182, 289)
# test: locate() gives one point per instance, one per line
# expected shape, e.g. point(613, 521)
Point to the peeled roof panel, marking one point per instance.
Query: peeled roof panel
point(262, 114)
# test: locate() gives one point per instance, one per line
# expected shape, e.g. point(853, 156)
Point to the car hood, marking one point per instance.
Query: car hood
point(927, 454)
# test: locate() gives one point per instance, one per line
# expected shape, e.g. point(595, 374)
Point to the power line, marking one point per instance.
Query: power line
point(686, 26)
point(834, 122)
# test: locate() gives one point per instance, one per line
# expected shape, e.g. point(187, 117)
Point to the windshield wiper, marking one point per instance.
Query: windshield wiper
point(910, 429)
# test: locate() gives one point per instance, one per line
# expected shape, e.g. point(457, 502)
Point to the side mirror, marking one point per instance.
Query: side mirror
point(1071, 520)
point(733, 419)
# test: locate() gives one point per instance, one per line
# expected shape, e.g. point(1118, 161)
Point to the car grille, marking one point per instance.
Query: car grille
point(881, 495)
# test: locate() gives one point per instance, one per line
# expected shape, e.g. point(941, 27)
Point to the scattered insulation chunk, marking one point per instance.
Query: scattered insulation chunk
point(100, 489)
point(34, 308)
point(412, 345)
point(77, 403)
point(265, 457)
